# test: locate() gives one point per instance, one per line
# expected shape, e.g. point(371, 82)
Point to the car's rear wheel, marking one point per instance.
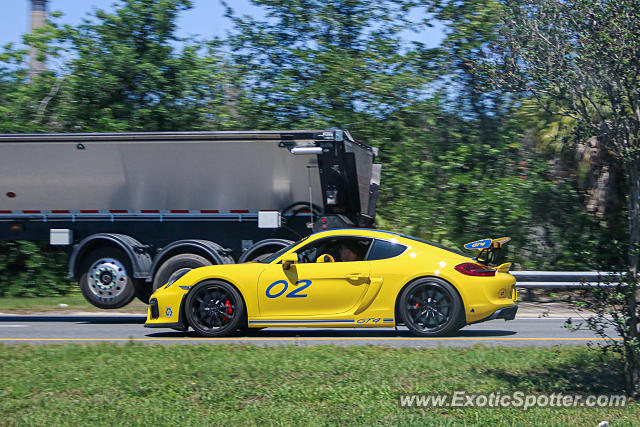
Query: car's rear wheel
point(214, 308)
point(431, 307)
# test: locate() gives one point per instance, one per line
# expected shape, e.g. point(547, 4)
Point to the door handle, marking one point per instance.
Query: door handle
point(354, 276)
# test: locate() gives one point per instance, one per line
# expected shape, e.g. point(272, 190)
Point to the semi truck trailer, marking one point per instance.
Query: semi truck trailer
point(135, 209)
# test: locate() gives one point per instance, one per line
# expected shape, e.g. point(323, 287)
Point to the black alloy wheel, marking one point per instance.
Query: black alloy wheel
point(431, 307)
point(214, 308)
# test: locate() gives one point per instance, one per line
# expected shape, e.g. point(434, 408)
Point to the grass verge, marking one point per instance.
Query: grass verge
point(135, 384)
point(61, 305)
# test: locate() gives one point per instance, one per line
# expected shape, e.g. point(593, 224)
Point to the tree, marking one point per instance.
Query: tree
point(337, 62)
point(469, 165)
point(124, 73)
point(25, 102)
point(128, 74)
point(30, 269)
point(581, 59)
point(455, 163)
point(458, 162)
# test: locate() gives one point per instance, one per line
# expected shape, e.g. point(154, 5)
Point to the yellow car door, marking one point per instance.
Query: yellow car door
point(312, 289)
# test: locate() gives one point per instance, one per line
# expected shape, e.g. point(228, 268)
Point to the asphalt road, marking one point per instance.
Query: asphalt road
point(43, 329)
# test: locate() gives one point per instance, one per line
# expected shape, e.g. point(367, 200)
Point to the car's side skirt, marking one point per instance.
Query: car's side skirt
point(334, 323)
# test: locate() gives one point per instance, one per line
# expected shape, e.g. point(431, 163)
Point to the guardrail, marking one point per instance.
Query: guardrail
point(530, 280)
point(564, 279)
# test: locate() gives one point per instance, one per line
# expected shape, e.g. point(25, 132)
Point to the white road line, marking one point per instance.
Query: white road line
point(249, 339)
point(14, 326)
point(543, 317)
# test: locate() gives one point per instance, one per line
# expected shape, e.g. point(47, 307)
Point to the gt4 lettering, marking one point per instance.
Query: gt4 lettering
point(285, 285)
point(369, 320)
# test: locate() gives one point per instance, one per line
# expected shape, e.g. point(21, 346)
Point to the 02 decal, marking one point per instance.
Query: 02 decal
point(295, 293)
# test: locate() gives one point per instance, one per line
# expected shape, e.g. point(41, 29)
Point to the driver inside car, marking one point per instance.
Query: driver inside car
point(346, 253)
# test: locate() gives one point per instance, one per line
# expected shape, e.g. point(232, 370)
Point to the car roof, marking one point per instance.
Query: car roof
point(365, 232)
point(381, 234)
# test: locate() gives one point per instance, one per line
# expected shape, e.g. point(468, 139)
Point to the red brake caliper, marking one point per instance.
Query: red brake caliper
point(228, 309)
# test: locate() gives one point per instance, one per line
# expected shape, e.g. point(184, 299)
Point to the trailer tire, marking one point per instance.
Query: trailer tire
point(175, 265)
point(263, 249)
point(261, 257)
point(106, 278)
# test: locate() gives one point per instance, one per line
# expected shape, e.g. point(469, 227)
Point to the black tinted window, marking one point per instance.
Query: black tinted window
point(382, 249)
point(341, 249)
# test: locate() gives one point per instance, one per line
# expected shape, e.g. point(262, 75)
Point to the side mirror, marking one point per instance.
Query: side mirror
point(288, 260)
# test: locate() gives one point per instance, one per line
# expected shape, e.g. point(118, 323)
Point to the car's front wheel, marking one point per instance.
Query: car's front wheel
point(431, 307)
point(214, 308)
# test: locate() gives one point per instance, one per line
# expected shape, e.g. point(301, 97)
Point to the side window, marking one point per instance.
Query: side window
point(382, 250)
point(341, 249)
point(308, 253)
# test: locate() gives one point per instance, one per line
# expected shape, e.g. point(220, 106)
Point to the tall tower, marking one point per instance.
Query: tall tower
point(38, 18)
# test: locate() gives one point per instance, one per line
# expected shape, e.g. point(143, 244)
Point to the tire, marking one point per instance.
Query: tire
point(143, 290)
point(175, 265)
point(106, 278)
point(214, 309)
point(431, 307)
point(261, 257)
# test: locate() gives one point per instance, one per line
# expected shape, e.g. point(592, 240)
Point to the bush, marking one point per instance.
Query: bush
point(30, 269)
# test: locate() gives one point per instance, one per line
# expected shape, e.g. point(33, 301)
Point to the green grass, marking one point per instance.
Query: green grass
point(74, 302)
point(135, 384)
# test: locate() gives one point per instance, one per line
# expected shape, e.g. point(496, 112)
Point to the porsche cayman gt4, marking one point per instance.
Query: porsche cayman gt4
point(343, 278)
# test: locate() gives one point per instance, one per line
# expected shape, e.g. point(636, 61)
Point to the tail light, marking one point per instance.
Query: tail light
point(471, 269)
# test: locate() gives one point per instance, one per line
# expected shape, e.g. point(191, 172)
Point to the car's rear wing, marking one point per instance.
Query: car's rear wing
point(490, 251)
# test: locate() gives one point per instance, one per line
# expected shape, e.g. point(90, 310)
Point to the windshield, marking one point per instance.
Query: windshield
point(280, 252)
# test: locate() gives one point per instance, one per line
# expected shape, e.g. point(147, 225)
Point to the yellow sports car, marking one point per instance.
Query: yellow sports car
point(343, 278)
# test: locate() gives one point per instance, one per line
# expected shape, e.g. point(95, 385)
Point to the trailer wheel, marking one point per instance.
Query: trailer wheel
point(261, 257)
point(176, 265)
point(105, 278)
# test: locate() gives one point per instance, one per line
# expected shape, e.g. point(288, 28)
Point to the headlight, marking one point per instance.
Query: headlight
point(178, 274)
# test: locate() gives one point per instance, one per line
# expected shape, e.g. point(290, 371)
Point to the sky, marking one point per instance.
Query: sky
point(206, 19)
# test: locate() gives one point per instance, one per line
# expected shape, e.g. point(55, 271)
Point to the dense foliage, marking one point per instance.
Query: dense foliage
point(463, 157)
point(580, 60)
